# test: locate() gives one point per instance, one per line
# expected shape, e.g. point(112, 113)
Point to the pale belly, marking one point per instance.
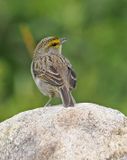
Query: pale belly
point(46, 89)
point(43, 87)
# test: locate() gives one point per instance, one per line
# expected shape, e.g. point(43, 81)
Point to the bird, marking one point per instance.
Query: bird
point(52, 72)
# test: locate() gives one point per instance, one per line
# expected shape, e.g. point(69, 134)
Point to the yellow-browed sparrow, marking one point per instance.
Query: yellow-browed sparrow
point(52, 72)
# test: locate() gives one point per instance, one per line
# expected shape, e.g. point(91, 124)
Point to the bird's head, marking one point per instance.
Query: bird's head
point(50, 45)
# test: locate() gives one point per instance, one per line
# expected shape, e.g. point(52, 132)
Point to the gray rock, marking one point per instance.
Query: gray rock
point(84, 132)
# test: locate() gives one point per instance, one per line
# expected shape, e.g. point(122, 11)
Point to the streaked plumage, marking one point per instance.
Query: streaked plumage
point(52, 72)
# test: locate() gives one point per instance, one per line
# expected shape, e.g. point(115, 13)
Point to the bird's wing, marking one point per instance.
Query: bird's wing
point(71, 78)
point(43, 68)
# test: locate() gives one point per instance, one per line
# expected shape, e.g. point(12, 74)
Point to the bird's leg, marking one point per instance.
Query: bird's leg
point(48, 103)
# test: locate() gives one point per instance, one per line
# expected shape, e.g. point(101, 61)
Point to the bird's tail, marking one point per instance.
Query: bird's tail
point(67, 98)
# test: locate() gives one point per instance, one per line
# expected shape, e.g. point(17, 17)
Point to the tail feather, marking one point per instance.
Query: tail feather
point(67, 98)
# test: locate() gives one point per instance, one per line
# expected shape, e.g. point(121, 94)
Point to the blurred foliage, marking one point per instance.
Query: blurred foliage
point(97, 48)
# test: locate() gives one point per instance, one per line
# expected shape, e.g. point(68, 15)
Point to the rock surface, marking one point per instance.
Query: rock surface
point(84, 132)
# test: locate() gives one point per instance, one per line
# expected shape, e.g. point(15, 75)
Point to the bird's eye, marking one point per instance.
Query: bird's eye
point(54, 44)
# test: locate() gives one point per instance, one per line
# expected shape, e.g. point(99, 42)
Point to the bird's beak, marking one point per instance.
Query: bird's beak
point(62, 40)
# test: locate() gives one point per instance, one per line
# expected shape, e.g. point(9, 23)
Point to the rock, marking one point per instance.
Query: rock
point(84, 132)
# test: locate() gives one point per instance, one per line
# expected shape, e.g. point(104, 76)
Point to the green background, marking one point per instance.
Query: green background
point(97, 48)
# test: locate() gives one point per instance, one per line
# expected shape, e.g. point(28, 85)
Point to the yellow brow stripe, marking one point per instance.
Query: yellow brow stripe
point(57, 41)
